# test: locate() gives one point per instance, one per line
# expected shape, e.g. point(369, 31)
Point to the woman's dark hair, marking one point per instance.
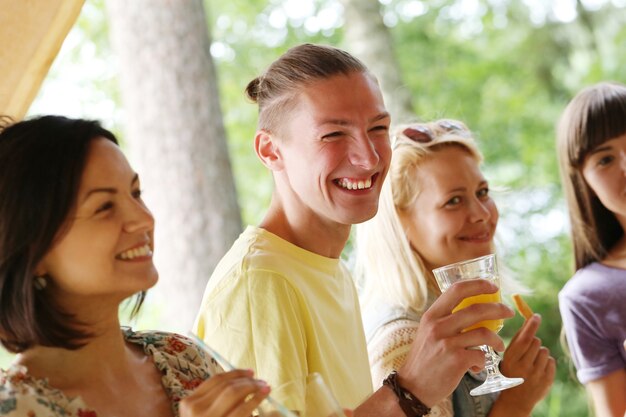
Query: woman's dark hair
point(595, 115)
point(41, 165)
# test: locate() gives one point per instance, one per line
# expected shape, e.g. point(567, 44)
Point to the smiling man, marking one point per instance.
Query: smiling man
point(281, 301)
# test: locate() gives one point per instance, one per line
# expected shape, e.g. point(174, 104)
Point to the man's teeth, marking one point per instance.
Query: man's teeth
point(136, 252)
point(355, 185)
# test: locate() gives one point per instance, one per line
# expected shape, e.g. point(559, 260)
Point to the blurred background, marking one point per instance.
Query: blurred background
point(168, 78)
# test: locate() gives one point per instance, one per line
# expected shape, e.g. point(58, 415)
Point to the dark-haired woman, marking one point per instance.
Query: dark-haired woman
point(75, 241)
point(591, 147)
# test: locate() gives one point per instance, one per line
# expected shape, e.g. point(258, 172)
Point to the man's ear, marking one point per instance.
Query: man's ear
point(266, 148)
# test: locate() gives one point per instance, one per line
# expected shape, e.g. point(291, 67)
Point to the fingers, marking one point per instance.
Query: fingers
point(541, 359)
point(219, 381)
point(528, 330)
point(550, 369)
point(247, 408)
point(527, 358)
point(545, 363)
point(231, 394)
point(545, 367)
point(476, 316)
point(477, 337)
point(442, 346)
point(466, 317)
point(472, 358)
point(524, 337)
point(537, 382)
point(459, 291)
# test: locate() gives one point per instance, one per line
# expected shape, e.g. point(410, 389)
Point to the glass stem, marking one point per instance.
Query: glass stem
point(491, 361)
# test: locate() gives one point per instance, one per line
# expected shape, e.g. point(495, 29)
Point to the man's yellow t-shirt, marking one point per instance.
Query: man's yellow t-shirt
point(286, 312)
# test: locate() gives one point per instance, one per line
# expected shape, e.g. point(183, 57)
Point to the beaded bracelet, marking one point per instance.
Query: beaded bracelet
point(409, 403)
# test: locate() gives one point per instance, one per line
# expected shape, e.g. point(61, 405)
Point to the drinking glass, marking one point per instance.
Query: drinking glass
point(269, 407)
point(484, 267)
point(320, 401)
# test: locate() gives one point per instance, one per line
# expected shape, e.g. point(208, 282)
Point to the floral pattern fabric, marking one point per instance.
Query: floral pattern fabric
point(182, 363)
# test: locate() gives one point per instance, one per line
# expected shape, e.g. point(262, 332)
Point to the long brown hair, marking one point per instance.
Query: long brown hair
point(595, 115)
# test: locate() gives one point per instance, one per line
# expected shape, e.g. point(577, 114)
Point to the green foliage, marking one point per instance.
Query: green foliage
point(505, 68)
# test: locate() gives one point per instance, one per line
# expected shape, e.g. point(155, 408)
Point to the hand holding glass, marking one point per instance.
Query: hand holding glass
point(269, 407)
point(484, 268)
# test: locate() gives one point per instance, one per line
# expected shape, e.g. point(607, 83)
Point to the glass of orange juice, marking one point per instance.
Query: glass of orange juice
point(484, 267)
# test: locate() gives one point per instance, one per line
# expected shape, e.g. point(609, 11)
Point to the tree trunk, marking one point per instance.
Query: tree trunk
point(177, 144)
point(368, 38)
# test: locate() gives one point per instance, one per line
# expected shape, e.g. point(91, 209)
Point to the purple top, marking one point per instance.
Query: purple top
point(593, 309)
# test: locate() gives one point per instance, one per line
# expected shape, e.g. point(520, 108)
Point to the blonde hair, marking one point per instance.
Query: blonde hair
point(386, 266)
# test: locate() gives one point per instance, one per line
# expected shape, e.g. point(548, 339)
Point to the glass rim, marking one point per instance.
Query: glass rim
point(461, 263)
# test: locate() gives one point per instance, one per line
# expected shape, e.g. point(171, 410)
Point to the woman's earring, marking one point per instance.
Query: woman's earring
point(40, 283)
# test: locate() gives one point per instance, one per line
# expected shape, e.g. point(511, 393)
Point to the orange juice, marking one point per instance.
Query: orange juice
point(493, 325)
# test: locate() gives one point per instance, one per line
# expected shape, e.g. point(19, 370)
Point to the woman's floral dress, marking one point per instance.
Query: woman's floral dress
point(181, 362)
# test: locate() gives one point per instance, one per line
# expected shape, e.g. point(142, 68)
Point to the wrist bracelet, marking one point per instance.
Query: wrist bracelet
point(409, 403)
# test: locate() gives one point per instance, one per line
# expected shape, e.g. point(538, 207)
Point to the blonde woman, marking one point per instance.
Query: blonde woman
point(435, 209)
